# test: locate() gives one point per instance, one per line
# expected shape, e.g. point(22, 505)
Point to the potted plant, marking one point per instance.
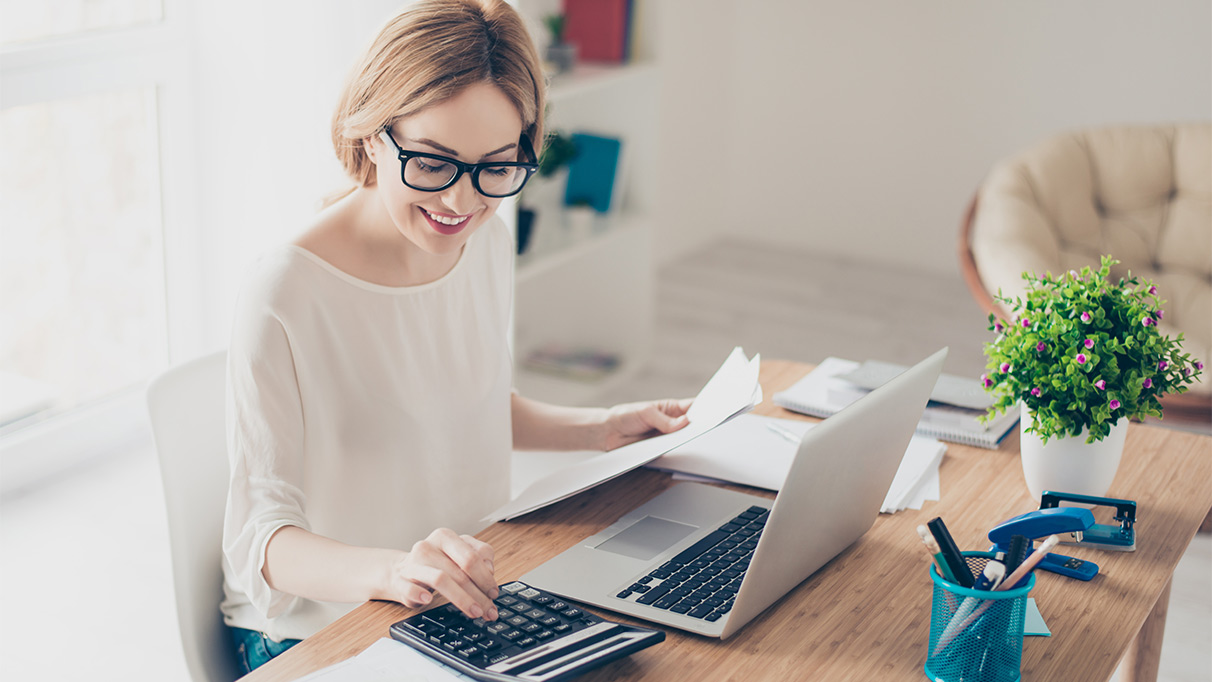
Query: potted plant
point(544, 192)
point(1081, 356)
point(561, 55)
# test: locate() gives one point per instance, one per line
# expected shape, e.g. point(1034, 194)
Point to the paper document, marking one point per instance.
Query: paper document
point(387, 661)
point(757, 451)
point(733, 390)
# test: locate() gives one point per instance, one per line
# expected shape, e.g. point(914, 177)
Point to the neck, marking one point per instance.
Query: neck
point(377, 241)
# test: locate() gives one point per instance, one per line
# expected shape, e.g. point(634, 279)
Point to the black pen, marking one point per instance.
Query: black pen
point(951, 553)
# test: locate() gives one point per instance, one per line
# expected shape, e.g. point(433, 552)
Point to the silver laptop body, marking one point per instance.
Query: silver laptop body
point(831, 496)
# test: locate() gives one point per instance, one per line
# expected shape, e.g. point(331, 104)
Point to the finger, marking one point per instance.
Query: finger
point(656, 418)
point(414, 595)
point(449, 582)
point(482, 548)
point(472, 563)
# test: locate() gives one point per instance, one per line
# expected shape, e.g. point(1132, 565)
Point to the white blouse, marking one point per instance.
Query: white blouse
point(364, 413)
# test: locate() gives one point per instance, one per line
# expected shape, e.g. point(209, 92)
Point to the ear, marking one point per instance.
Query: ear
point(370, 145)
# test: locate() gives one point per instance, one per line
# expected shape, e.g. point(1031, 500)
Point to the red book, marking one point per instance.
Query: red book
point(598, 28)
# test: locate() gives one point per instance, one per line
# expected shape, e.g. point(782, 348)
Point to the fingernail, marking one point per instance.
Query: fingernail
point(476, 611)
point(492, 614)
point(426, 597)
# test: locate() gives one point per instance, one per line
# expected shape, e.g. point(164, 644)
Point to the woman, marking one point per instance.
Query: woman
point(370, 414)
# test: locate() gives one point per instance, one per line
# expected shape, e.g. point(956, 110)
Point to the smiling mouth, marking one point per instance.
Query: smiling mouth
point(445, 224)
point(445, 219)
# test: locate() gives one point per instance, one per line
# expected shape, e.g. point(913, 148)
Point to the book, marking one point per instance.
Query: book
point(593, 171)
point(824, 392)
point(583, 364)
point(599, 29)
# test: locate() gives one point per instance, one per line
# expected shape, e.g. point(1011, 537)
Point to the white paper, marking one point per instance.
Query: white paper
point(748, 451)
point(733, 390)
point(387, 661)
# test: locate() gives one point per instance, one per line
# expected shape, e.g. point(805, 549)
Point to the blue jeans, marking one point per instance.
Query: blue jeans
point(254, 649)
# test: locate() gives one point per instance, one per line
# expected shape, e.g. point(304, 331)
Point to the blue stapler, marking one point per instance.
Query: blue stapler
point(1073, 524)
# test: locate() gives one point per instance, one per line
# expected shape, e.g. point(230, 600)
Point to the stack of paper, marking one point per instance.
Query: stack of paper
point(734, 390)
point(757, 451)
point(830, 387)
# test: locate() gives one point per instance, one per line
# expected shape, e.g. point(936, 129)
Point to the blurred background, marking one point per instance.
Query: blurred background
point(150, 150)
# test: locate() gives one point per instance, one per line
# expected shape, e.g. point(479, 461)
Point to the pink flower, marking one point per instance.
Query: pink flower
point(1036, 392)
point(1115, 404)
point(998, 327)
point(1026, 323)
point(1081, 358)
point(1146, 320)
point(1086, 317)
point(1148, 382)
point(1088, 343)
point(1162, 365)
point(1159, 315)
point(1188, 372)
point(1153, 290)
point(1100, 385)
point(1041, 347)
point(1005, 368)
point(986, 381)
point(1199, 365)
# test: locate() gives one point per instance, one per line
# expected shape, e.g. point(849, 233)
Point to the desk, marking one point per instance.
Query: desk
point(866, 614)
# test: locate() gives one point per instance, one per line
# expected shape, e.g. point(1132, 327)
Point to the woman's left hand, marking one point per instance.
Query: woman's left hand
point(632, 422)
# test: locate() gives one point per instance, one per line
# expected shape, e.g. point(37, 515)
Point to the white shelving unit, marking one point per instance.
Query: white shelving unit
point(591, 286)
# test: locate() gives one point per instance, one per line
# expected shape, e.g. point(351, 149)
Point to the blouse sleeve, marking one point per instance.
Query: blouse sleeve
point(265, 449)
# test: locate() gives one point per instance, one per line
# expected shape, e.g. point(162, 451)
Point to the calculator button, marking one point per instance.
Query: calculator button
point(469, 651)
point(542, 599)
point(557, 606)
point(513, 588)
point(526, 642)
point(535, 614)
point(549, 621)
point(511, 634)
point(517, 620)
point(497, 627)
point(505, 600)
point(520, 608)
point(562, 627)
point(529, 593)
point(530, 627)
point(571, 613)
point(544, 634)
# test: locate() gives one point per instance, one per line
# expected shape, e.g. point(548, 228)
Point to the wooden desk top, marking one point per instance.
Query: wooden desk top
point(866, 614)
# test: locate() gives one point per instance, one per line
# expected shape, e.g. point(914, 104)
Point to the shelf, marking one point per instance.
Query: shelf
point(586, 78)
point(552, 252)
point(564, 391)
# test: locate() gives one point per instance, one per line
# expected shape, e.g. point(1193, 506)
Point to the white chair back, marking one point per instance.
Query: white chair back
point(187, 412)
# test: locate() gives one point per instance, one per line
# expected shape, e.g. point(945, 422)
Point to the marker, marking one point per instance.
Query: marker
point(951, 553)
point(932, 547)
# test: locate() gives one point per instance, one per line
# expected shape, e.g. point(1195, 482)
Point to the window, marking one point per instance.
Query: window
point(92, 167)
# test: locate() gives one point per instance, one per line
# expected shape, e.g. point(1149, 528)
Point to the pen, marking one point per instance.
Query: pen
point(1011, 581)
point(1030, 562)
point(992, 575)
point(787, 434)
point(932, 547)
point(951, 553)
point(1019, 544)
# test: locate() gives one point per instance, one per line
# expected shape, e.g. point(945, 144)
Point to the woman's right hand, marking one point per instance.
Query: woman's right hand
point(458, 567)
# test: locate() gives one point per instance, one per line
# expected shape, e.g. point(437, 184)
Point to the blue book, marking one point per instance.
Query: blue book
point(592, 172)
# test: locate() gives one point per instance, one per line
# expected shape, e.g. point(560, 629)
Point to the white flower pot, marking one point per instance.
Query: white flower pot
point(1068, 464)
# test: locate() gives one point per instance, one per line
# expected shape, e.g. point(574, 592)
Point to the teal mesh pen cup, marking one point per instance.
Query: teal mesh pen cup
point(976, 635)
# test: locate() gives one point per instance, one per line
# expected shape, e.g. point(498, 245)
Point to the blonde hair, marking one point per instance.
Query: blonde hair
point(427, 54)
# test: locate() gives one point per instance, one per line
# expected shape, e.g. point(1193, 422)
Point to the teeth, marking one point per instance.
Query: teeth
point(444, 220)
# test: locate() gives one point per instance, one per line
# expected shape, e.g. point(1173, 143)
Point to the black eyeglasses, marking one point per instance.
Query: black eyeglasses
point(434, 173)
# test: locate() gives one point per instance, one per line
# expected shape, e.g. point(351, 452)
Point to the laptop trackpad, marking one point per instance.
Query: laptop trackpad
point(647, 538)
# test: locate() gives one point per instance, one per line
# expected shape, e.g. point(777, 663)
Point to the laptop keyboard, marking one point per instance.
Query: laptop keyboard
point(702, 580)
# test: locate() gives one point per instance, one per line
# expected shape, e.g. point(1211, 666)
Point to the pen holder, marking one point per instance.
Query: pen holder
point(976, 635)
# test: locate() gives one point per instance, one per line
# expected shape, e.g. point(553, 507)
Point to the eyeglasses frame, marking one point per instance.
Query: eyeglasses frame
point(460, 167)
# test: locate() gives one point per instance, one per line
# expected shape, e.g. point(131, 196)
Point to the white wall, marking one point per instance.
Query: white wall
point(863, 128)
point(268, 74)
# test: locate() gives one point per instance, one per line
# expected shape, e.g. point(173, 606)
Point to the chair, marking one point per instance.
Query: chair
point(186, 404)
point(1142, 194)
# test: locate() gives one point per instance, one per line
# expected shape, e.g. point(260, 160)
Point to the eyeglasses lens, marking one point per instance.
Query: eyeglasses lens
point(431, 174)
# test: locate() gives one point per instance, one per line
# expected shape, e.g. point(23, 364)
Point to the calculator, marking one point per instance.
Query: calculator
point(537, 637)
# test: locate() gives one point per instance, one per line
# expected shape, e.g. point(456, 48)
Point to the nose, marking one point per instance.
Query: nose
point(462, 198)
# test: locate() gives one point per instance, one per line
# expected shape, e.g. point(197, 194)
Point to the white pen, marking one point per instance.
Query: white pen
point(787, 434)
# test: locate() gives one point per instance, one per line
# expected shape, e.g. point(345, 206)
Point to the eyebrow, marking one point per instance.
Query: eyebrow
point(447, 150)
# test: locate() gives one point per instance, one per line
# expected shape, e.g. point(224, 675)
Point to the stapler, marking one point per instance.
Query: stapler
point(1073, 524)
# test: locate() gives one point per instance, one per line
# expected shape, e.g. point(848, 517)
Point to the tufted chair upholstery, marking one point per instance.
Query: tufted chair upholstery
point(1140, 193)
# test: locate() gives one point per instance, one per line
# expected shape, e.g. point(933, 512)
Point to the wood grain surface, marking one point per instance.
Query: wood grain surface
point(866, 614)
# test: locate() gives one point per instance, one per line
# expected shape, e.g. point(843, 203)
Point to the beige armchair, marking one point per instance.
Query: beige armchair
point(1140, 193)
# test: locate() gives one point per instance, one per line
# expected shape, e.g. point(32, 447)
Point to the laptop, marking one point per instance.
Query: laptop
point(708, 560)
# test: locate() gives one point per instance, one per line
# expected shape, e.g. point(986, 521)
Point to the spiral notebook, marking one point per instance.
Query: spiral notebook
point(823, 392)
